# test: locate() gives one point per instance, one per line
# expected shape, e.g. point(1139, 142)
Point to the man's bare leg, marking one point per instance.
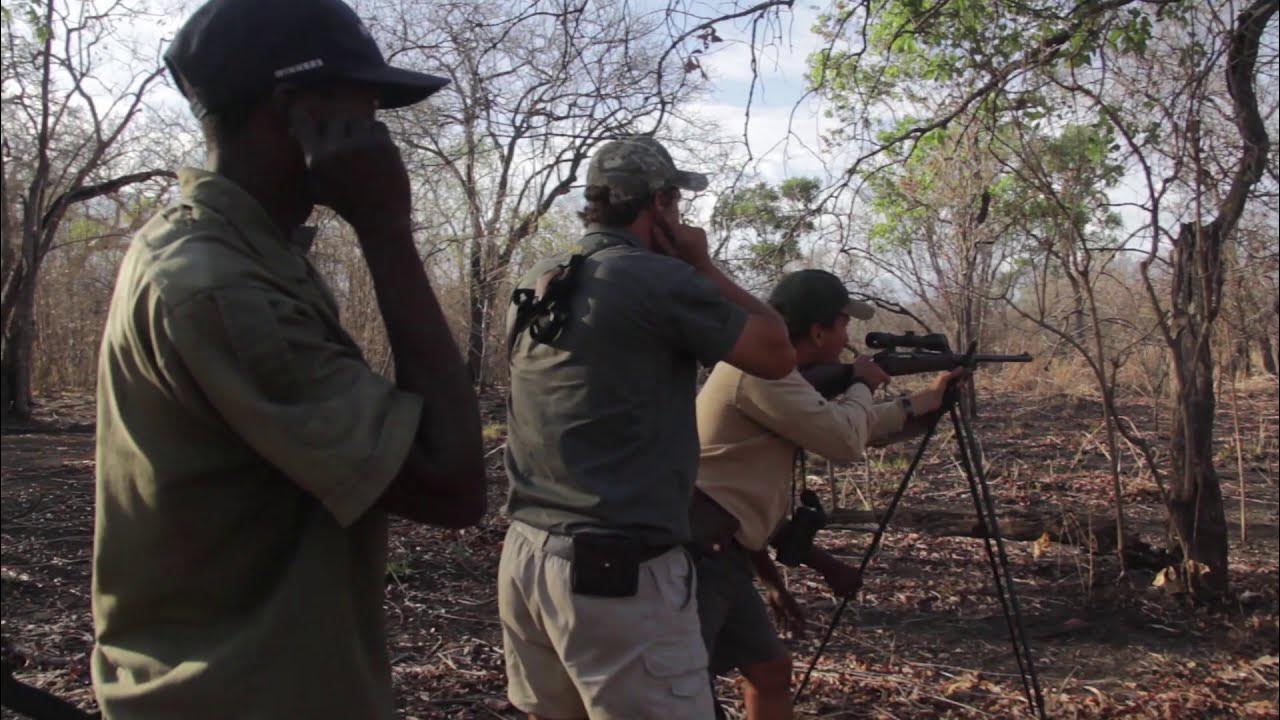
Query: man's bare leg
point(766, 689)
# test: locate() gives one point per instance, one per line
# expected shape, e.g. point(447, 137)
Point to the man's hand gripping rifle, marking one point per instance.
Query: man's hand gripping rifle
point(906, 354)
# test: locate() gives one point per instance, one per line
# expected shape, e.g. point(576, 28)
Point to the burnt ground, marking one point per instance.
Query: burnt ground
point(925, 638)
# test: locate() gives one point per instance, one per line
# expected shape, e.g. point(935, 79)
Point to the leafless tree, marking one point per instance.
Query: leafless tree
point(535, 89)
point(67, 121)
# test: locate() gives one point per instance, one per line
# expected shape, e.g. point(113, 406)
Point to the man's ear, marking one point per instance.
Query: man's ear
point(816, 332)
point(283, 101)
point(286, 121)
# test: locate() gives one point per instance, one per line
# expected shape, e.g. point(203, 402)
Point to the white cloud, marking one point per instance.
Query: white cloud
point(784, 139)
point(777, 64)
point(784, 126)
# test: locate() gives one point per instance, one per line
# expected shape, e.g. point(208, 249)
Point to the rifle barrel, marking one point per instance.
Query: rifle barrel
point(1023, 357)
point(905, 363)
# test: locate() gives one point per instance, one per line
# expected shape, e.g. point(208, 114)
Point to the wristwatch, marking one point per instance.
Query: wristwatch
point(905, 402)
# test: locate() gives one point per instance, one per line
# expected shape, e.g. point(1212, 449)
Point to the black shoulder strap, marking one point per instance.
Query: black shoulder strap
point(543, 310)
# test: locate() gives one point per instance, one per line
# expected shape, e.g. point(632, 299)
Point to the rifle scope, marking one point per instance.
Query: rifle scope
point(933, 342)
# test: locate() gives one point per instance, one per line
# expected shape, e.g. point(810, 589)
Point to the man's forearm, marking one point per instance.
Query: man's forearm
point(427, 360)
point(765, 569)
point(843, 580)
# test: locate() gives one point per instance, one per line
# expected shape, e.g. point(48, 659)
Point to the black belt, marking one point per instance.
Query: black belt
point(561, 545)
point(712, 526)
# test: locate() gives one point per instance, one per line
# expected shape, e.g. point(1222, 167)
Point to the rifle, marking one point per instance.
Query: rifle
point(933, 354)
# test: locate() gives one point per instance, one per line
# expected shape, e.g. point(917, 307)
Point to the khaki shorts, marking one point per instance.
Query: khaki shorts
point(574, 656)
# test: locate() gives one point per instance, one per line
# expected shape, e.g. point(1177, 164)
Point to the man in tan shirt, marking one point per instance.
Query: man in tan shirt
point(750, 431)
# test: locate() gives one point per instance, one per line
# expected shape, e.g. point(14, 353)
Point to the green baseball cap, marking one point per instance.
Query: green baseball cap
point(637, 166)
point(808, 296)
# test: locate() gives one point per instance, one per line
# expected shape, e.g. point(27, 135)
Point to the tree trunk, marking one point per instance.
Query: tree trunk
point(1107, 388)
point(967, 332)
point(15, 358)
point(478, 312)
point(1077, 309)
point(1195, 503)
point(1268, 356)
point(18, 336)
point(1240, 365)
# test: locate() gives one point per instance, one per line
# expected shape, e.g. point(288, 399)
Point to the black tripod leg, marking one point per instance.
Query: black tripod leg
point(980, 490)
point(1004, 560)
point(866, 556)
point(966, 465)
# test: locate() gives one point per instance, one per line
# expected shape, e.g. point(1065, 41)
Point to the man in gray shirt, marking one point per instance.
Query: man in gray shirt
point(595, 592)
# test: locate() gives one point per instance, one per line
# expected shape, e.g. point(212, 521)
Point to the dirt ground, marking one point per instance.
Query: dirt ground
point(925, 638)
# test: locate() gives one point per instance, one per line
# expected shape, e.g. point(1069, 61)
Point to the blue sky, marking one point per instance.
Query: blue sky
point(782, 135)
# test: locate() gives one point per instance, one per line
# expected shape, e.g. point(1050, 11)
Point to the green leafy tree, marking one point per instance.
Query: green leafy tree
point(1156, 73)
point(1064, 213)
point(766, 224)
point(933, 229)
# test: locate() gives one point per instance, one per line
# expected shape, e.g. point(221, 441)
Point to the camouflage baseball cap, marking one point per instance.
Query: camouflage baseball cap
point(636, 166)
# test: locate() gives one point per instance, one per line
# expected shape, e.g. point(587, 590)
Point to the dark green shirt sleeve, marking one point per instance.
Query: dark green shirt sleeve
point(698, 317)
point(306, 403)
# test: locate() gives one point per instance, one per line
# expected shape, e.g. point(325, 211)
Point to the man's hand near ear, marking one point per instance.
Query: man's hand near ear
point(763, 349)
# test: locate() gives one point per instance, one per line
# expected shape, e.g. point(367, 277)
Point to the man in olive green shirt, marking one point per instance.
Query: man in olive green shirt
point(247, 456)
point(595, 592)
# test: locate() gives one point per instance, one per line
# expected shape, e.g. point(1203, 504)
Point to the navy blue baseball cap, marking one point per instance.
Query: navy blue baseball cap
point(234, 51)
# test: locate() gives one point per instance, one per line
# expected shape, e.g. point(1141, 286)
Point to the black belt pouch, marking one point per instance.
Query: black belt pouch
point(605, 566)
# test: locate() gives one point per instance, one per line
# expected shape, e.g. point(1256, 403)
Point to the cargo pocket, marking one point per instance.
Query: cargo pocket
point(680, 666)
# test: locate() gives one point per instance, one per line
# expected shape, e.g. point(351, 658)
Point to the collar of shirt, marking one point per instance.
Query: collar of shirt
point(264, 238)
point(620, 232)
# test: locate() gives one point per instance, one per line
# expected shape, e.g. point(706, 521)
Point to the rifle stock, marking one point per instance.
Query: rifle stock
point(829, 379)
